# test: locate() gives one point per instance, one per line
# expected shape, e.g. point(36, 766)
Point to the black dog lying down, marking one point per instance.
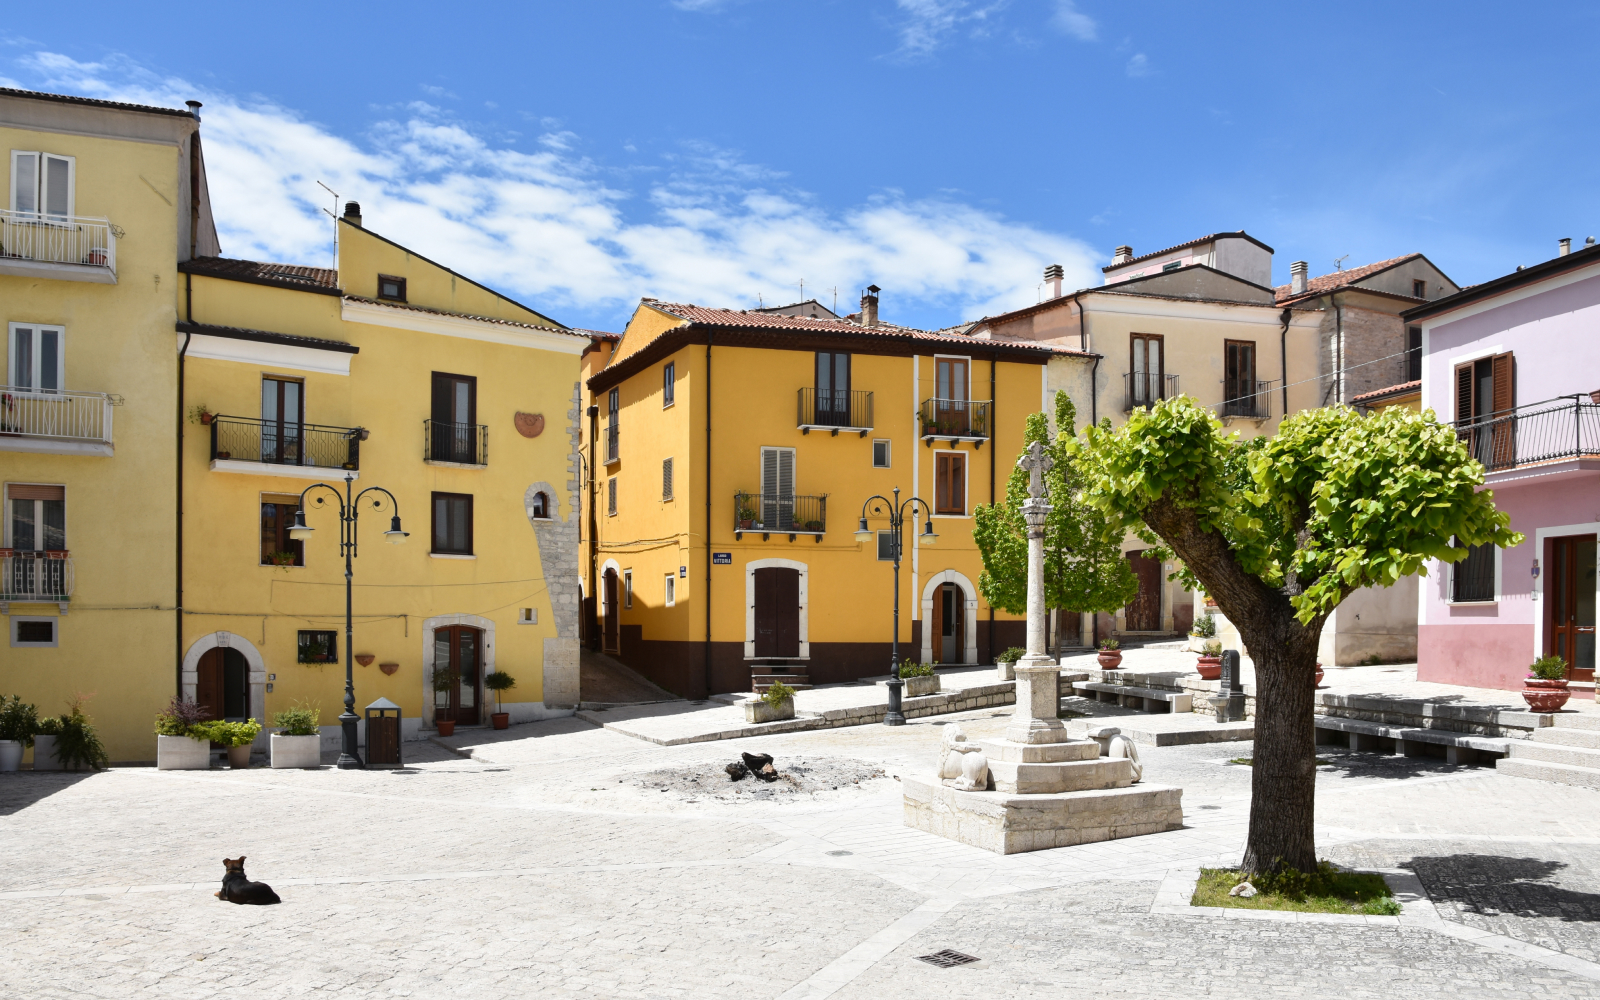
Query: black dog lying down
point(238, 889)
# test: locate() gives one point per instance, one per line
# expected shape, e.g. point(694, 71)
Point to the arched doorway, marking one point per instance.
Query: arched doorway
point(949, 624)
point(222, 684)
point(611, 627)
point(458, 654)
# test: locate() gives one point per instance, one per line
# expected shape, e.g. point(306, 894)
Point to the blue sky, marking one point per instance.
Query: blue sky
point(580, 155)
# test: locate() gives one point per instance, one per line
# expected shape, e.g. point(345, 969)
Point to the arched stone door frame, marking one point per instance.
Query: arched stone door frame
point(484, 625)
point(969, 619)
point(256, 678)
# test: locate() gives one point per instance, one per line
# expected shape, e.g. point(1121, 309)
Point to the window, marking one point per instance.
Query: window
point(952, 376)
point(391, 288)
point(277, 548)
point(627, 588)
point(541, 506)
point(39, 633)
point(1472, 579)
point(452, 524)
point(455, 419)
point(527, 616)
point(1419, 289)
point(283, 410)
point(319, 646)
point(42, 184)
point(833, 389)
point(1172, 265)
point(1413, 354)
point(1239, 378)
point(672, 589)
point(1486, 389)
point(669, 379)
point(777, 490)
point(950, 487)
point(36, 358)
point(666, 479)
point(885, 546)
point(880, 453)
point(36, 518)
point(613, 404)
point(1146, 381)
point(611, 496)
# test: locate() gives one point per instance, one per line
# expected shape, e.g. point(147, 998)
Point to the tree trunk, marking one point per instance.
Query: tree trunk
point(1283, 782)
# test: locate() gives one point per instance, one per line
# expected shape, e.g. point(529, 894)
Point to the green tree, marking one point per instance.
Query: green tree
point(1084, 568)
point(1280, 530)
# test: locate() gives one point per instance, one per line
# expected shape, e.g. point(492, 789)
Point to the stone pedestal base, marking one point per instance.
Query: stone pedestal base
point(1008, 823)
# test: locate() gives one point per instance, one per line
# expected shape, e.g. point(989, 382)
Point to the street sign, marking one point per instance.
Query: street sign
point(722, 558)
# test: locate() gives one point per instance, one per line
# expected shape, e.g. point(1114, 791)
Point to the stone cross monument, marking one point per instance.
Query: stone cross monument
point(1038, 676)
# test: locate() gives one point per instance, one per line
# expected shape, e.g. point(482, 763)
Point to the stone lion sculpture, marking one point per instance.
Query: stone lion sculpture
point(962, 760)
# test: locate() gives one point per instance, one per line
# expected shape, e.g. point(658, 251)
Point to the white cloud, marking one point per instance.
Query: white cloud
point(1139, 66)
point(1068, 19)
point(928, 23)
point(547, 228)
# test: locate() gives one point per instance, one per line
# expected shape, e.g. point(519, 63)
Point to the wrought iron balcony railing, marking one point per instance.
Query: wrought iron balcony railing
point(59, 239)
point(35, 576)
point(612, 454)
point(836, 409)
point(1146, 389)
point(1552, 431)
point(955, 418)
point(1257, 404)
point(780, 514)
point(249, 439)
point(463, 444)
point(63, 416)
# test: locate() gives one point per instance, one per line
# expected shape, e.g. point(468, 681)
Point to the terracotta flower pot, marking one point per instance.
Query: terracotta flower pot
point(1110, 659)
point(1210, 667)
point(1318, 681)
point(239, 757)
point(500, 719)
point(1545, 696)
point(447, 728)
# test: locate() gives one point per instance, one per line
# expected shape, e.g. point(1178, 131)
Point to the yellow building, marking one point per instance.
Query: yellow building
point(460, 405)
point(732, 454)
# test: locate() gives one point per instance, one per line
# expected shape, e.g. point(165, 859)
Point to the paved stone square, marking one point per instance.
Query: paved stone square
point(543, 866)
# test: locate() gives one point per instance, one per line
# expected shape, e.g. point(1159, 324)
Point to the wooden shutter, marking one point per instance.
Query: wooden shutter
point(1464, 393)
point(36, 491)
point(1504, 383)
point(786, 605)
point(950, 493)
point(666, 479)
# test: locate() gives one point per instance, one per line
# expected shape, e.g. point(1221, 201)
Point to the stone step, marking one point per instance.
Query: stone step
point(1010, 824)
point(1555, 753)
point(1564, 736)
point(1566, 774)
point(763, 685)
point(1576, 720)
point(775, 668)
point(1016, 778)
point(1039, 753)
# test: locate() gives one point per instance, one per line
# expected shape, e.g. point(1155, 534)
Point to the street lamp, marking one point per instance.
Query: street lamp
point(897, 518)
point(348, 515)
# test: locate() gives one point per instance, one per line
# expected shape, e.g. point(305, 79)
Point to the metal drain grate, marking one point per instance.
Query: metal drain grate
point(946, 959)
point(840, 854)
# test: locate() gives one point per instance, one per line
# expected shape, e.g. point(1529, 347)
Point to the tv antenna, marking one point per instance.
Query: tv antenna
point(334, 215)
point(835, 291)
point(802, 289)
point(1338, 265)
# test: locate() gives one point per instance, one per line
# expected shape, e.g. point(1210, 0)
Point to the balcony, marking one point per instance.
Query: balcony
point(780, 514)
point(834, 411)
point(612, 455)
point(267, 448)
point(465, 445)
point(955, 420)
point(58, 246)
point(43, 577)
point(56, 423)
point(1255, 406)
point(1145, 389)
point(1556, 436)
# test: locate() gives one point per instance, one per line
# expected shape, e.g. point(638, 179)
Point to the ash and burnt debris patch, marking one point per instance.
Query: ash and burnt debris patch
point(800, 777)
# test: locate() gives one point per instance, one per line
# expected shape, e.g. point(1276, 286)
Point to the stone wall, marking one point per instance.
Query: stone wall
point(558, 556)
point(1368, 336)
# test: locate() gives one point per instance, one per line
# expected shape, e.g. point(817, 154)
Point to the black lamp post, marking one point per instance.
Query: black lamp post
point(897, 519)
point(348, 514)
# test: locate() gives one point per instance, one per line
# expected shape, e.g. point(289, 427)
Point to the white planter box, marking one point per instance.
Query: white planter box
point(180, 753)
point(10, 755)
point(1006, 671)
point(296, 751)
point(756, 710)
point(44, 754)
point(921, 687)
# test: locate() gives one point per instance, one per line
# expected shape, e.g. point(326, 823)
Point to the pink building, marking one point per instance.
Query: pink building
point(1515, 362)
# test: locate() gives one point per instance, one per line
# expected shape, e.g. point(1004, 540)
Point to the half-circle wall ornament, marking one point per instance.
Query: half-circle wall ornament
point(530, 425)
point(365, 659)
point(389, 668)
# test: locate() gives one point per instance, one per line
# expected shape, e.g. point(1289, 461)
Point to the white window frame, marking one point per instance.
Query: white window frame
point(40, 193)
point(55, 632)
point(34, 380)
point(672, 589)
point(888, 453)
point(38, 518)
point(627, 589)
point(885, 534)
point(966, 482)
point(952, 357)
point(669, 384)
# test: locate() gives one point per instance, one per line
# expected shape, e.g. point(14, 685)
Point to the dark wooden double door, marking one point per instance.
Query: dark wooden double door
point(777, 612)
point(222, 684)
point(458, 650)
point(1144, 614)
point(949, 624)
point(1570, 586)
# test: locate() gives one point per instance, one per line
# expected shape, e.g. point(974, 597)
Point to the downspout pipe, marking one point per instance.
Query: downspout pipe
point(1083, 345)
point(1283, 356)
point(177, 601)
point(593, 620)
point(1338, 348)
point(994, 424)
point(709, 337)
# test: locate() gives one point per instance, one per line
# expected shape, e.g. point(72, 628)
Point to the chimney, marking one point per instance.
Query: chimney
point(352, 213)
point(1052, 277)
point(869, 306)
point(1297, 277)
point(194, 108)
point(1122, 254)
point(1566, 247)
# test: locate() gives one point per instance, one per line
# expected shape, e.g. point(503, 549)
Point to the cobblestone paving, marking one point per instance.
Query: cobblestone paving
point(542, 867)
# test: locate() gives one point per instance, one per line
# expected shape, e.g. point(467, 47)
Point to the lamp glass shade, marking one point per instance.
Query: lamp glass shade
point(394, 536)
point(863, 533)
point(927, 537)
point(300, 531)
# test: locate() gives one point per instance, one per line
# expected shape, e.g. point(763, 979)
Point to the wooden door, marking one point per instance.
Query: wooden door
point(937, 625)
point(951, 413)
point(1571, 568)
point(949, 624)
point(777, 612)
point(611, 633)
point(455, 418)
point(1144, 614)
point(222, 684)
point(458, 650)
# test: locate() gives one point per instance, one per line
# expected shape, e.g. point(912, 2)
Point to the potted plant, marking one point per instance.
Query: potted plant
point(775, 705)
point(1210, 663)
point(182, 741)
point(920, 680)
point(78, 746)
point(282, 558)
point(44, 744)
point(1545, 690)
point(201, 414)
point(747, 516)
point(1204, 627)
point(1110, 654)
point(1006, 662)
point(1316, 681)
point(19, 721)
point(497, 682)
point(298, 741)
point(238, 737)
point(813, 525)
point(441, 685)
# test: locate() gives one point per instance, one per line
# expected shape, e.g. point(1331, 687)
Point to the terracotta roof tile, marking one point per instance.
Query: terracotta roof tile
point(316, 279)
point(92, 102)
point(1323, 284)
point(1394, 390)
point(461, 315)
point(803, 324)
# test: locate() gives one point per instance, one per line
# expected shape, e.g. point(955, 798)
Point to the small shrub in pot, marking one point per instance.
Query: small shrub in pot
point(182, 741)
point(298, 741)
point(238, 737)
point(920, 680)
point(1110, 656)
point(774, 705)
point(19, 721)
point(1545, 690)
point(78, 746)
point(497, 682)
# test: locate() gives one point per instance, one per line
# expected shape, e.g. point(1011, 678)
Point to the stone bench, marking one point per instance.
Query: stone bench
point(1459, 748)
point(1148, 699)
